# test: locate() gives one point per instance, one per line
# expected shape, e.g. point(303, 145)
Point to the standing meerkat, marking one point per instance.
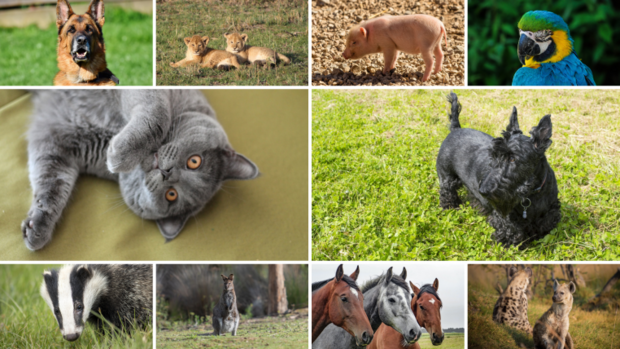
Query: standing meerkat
point(122, 294)
point(511, 307)
point(551, 330)
point(225, 313)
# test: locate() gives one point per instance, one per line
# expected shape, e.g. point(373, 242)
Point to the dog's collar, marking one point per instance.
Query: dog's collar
point(107, 74)
point(537, 190)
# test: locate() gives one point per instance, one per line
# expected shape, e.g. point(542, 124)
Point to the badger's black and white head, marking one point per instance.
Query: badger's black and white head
point(71, 293)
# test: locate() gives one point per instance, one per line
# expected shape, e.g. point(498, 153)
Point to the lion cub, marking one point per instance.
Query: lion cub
point(511, 307)
point(199, 53)
point(252, 54)
point(551, 330)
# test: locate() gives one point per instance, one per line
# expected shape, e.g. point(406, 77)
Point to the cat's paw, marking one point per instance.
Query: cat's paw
point(124, 155)
point(37, 228)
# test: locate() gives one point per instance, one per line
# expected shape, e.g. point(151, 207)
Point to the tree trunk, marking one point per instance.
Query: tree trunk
point(277, 291)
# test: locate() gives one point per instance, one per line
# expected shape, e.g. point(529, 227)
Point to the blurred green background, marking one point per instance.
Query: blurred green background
point(28, 54)
point(493, 36)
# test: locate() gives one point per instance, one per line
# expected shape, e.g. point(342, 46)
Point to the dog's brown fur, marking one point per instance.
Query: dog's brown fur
point(551, 330)
point(93, 71)
point(199, 53)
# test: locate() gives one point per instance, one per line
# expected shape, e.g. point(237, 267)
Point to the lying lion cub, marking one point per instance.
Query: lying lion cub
point(199, 53)
point(253, 54)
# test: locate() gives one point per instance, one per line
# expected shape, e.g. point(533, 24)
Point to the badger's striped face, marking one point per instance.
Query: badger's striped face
point(71, 293)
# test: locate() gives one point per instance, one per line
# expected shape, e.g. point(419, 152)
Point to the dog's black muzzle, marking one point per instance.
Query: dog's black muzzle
point(80, 48)
point(527, 48)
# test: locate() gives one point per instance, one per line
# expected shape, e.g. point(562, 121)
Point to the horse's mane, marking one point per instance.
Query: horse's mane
point(428, 288)
point(396, 279)
point(346, 278)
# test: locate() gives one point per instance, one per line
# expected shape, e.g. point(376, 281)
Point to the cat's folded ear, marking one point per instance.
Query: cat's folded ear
point(170, 227)
point(239, 167)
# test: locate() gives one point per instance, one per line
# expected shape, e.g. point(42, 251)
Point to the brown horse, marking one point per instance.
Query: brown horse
point(340, 301)
point(425, 305)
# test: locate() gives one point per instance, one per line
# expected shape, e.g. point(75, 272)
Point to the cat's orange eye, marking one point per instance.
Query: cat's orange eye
point(194, 162)
point(171, 195)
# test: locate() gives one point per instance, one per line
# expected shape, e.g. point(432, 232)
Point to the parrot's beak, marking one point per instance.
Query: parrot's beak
point(527, 48)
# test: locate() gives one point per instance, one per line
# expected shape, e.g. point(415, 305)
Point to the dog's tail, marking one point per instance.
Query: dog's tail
point(455, 107)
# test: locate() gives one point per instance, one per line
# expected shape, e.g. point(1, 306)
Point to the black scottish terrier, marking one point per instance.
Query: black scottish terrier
point(508, 178)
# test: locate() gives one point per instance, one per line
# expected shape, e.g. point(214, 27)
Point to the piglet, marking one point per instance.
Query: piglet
point(390, 34)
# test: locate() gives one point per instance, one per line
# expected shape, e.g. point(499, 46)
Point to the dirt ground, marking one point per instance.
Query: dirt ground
point(331, 20)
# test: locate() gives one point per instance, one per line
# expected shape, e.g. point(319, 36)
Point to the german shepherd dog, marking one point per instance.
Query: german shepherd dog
point(81, 50)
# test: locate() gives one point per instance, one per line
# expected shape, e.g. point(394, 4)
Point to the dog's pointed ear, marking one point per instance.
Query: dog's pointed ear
point(238, 166)
point(170, 227)
point(541, 134)
point(513, 124)
point(96, 10)
point(63, 12)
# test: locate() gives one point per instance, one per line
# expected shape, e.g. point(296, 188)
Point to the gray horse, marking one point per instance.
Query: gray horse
point(387, 300)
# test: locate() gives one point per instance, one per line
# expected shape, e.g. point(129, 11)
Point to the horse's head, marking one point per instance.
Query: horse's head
point(394, 307)
point(346, 307)
point(426, 305)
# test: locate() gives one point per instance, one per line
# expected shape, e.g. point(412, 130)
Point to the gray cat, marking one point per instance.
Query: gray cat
point(225, 312)
point(165, 148)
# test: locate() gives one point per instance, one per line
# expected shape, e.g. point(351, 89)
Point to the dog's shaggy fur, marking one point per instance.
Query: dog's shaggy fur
point(508, 178)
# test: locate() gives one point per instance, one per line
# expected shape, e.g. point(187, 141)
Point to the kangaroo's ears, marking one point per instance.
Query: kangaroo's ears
point(63, 12)
point(239, 167)
point(170, 227)
point(541, 134)
point(355, 274)
point(95, 10)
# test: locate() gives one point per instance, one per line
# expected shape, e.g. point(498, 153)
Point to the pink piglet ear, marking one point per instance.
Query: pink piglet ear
point(364, 32)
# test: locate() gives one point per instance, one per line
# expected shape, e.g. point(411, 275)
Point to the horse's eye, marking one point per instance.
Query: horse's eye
point(343, 298)
point(79, 307)
point(421, 307)
point(194, 162)
point(391, 300)
point(171, 195)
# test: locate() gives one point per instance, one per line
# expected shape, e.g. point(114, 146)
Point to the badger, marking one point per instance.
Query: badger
point(122, 294)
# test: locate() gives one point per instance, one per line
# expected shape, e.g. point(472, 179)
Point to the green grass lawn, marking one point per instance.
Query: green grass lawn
point(375, 192)
point(27, 322)
point(269, 332)
point(29, 54)
point(267, 24)
point(596, 329)
point(450, 341)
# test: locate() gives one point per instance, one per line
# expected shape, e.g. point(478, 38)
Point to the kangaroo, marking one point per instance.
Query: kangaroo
point(225, 313)
point(551, 330)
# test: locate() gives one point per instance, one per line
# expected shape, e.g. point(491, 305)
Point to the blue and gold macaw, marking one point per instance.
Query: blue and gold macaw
point(547, 54)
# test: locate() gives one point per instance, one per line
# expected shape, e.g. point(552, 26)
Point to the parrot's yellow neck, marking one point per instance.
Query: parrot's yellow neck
point(563, 48)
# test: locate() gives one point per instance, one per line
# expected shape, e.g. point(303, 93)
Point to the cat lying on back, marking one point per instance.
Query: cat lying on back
point(165, 148)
